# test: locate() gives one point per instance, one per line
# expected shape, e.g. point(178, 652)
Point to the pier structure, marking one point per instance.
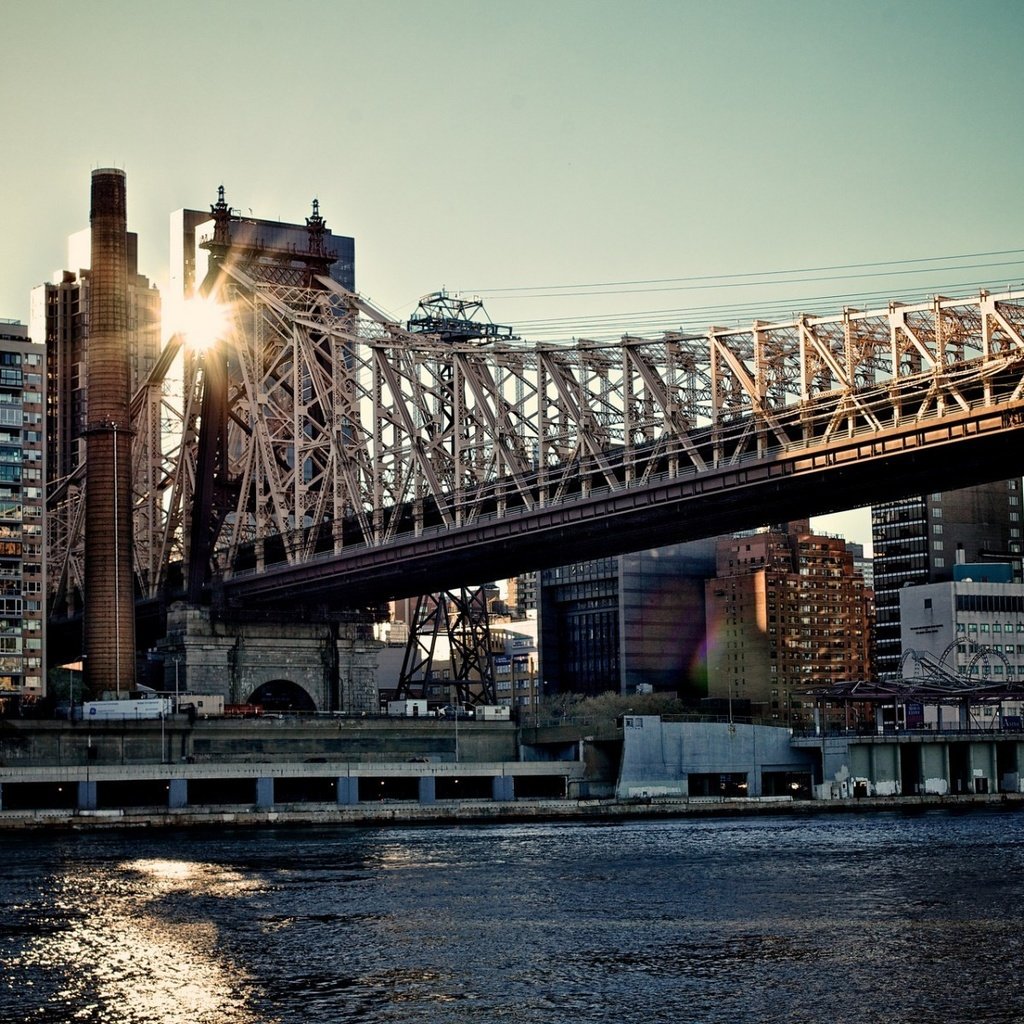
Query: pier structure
point(677, 759)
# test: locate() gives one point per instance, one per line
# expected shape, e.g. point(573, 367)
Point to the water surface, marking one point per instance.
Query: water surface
point(884, 918)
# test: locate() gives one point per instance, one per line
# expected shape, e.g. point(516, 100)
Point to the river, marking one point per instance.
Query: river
point(837, 918)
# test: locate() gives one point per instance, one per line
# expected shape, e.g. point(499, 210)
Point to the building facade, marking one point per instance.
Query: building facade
point(787, 612)
point(263, 247)
point(60, 321)
point(972, 626)
point(629, 623)
point(22, 521)
point(514, 658)
point(919, 540)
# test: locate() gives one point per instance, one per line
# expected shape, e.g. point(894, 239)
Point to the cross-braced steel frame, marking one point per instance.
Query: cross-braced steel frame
point(320, 424)
point(462, 619)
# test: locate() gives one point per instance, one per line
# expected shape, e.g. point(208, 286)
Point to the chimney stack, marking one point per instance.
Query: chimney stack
point(109, 583)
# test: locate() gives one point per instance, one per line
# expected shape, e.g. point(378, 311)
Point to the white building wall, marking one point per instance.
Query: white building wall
point(974, 629)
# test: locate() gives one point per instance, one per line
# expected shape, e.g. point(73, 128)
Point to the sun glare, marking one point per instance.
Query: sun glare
point(203, 322)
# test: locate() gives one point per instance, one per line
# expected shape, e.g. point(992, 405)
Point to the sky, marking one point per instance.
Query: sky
point(586, 168)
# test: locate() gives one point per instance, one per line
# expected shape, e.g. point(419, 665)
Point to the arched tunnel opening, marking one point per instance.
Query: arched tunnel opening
point(282, 695)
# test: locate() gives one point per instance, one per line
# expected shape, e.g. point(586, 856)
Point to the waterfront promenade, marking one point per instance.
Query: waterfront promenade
point(467, 812)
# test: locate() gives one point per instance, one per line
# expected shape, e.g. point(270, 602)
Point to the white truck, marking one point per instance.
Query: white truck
point(492, 713)
point(204, 705)
point(125, 710)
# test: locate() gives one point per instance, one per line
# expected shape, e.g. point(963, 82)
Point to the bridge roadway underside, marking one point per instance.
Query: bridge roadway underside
point(946, 454)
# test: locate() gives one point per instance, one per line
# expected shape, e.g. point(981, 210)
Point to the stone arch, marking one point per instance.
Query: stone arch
point(282, 695)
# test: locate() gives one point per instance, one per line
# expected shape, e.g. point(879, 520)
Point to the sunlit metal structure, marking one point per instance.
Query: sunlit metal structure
point(459, 618)
point(323, 447)
point(936, 681)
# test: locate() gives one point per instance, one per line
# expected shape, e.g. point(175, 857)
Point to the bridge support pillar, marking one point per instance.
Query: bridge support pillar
point(1, 796)
point(177, 794)
point(503, 787)
point(333, 664)
point(428, 789)
point(86, 796)
point(264, 794)
point(347, 790)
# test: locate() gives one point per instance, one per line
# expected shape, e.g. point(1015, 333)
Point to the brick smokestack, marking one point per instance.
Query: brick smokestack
point(109, 597)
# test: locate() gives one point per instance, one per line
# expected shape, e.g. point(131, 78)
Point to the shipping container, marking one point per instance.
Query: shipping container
point(407, 708)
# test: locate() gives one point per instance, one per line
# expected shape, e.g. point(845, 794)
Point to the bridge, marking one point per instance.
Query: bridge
point(319, 450)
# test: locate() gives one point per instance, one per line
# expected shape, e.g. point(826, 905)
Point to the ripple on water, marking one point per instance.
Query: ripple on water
point(881, 919)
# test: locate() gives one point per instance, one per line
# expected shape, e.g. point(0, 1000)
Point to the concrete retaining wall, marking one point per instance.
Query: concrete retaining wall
point(658, 757)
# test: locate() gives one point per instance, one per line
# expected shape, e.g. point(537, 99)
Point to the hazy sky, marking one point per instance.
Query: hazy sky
point(574, 151)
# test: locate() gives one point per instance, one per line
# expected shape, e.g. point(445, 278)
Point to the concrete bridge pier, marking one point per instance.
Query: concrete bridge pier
point(935, 768)
point(503, 788)
point(326, 666)
point(264, 794)
point(347, 789)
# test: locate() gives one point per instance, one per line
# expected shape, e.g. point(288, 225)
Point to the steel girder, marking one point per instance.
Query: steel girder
point(342, 427)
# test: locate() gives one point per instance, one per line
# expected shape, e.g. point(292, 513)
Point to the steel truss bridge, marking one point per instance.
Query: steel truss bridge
point(322, 452)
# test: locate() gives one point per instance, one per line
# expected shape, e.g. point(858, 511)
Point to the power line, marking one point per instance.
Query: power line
point(612, 325)
point(748, 274)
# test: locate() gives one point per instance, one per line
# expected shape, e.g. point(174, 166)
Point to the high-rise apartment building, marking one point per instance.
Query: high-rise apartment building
point(628, 623)
point(60, 320)
point(22, 545)
point(787, 613)
point(919, 540)
point(522, 591)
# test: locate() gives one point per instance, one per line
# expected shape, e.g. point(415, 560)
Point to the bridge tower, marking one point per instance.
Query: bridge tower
point(459, 615)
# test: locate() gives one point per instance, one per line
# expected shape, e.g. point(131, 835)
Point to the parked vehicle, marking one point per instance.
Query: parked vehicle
point(493, 713)
point(203, 705)
point(454, 711)
point(123, 710)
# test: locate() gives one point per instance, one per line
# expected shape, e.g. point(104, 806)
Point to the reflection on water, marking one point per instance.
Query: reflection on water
point(105, 948)
point(850, 919)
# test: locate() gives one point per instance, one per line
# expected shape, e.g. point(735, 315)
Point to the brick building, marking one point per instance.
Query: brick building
point(787, 612)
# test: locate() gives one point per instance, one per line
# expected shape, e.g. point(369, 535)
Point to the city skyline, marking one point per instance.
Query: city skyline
point(586, 169)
